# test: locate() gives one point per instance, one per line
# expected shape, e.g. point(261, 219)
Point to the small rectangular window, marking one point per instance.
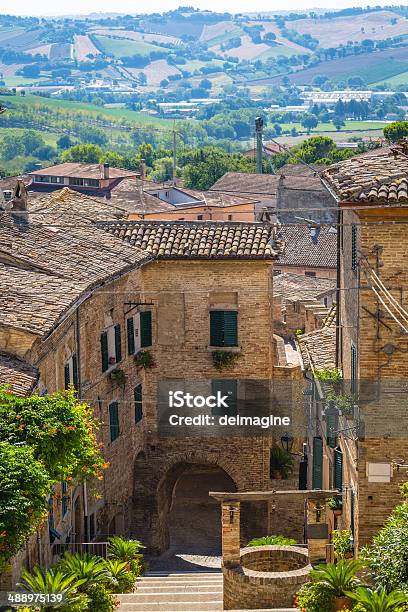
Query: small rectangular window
point(199, 217)
point(111, 347)
point(138, 397)
point(311, 274)
point(223, 328)
point(114, 420)
point(64, 498)
point(228, 388)
point(71, 372)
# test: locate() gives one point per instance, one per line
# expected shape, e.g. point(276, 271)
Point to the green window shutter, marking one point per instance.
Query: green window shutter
point(217, 328)
point(131, 335)
point(317, 477)
point(66, 376)
point(230, 328)
point(138, 396)
point(229, 388)
point(146, 328)
point(114, 420)
point(338, 468)
point(331, 427)
point(354, 260)
point(104, 351)
point(354, 368)
point(118, 344)
point(75, 370)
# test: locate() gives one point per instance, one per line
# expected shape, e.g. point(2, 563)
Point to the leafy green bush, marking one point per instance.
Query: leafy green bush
point(378, 600)
point(342, 542)
point(43, 440)
point(101, 600)
point(314, 597)
point(387, 556)
point(328, 374)
point(272, 540)
point(54, 581)
point(127, 550)
point(87, 569)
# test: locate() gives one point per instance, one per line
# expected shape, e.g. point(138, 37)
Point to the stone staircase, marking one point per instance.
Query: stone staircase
point(177, 592)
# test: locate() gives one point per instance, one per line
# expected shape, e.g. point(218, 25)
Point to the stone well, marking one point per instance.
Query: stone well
point(267, 577)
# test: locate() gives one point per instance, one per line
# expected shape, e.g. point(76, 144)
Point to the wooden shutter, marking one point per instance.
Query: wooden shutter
point(338, 468)
point(217, 328)
point(146, 328)
point(226, 387)
point(75, 370)
point(67, 379)
point(354, 368)
point(113, 420)
point(118, 344)
point(131, 336)
point(317, 475)
point(104, 351)
point(331, 427)
point(230, 328)
point(354, 247)
point(138, 396)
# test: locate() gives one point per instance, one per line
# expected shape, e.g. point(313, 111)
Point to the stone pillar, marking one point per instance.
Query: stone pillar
point(231, 518)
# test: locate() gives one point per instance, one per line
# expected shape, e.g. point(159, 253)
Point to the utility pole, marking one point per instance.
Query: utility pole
point(174, 155)
point(259, 133)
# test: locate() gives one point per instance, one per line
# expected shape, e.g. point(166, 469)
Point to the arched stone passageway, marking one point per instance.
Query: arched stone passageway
point(194, 520)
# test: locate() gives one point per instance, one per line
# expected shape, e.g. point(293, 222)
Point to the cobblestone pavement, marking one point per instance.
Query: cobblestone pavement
point(176, 560)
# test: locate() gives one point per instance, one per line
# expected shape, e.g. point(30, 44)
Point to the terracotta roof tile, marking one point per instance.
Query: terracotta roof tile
point(377, 178)
point(20, 375)
point(198, 240)
point(294, 287)
point(302, 250)
point(318, 348)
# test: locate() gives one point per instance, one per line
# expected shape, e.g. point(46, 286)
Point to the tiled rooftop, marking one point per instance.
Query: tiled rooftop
point(382, 177)
point(198, 240)
point(293, 287)
point(318, 348)
point(77, 170)
point(246, 183)
point(302, 250)
point(19, 375)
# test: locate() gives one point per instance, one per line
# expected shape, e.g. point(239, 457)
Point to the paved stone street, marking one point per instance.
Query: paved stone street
point(186, 560)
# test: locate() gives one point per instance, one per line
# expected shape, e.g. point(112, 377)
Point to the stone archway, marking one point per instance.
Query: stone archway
point(193, 516)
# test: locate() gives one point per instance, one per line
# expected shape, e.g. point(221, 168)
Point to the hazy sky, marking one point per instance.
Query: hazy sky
point(50, 7)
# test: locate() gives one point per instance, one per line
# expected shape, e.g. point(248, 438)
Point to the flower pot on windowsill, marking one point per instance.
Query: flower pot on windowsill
point(337, 511)
point(144, 359)
point(118, 376)
point(342, 603)
point(112, 361)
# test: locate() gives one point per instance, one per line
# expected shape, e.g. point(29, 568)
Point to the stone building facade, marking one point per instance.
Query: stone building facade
point(116, 308)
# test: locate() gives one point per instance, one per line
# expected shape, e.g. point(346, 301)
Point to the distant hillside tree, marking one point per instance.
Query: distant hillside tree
point(85, 153)
point(395, 131)
point(203, 167)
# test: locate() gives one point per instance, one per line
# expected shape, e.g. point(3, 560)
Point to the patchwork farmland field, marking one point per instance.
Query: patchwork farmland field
point(83, 46)
point(213, 31)
point(371, 67)
point(138, 36)
point(377, 25)
point(122, 47)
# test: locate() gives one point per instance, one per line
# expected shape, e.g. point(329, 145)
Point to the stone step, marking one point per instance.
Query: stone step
point(165, 596)
point(172, 606)
point(171, 587)
point(217, 574)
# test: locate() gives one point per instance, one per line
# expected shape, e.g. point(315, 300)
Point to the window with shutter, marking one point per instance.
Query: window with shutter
point(338, 468)
point(75, 371)
point(223, 328)
point(354, 260)
point(146, 328)
point(317, 473)
point(138, 397)
point(331, 426)
point(64, 498)
point(114, 420)
point(118, 344)
point(354, 368)
point(131, 335)
point(67, 379)
point(104, 351)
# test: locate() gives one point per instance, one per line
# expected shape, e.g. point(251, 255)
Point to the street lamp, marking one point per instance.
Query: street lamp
point(287, 442)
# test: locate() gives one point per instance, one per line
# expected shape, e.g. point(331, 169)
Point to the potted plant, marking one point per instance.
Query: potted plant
point(343, 544)
point(223, 359)
point(118, 376)
point(281, 463)
point(112, 360)
point(335, 504)
point(272, 540)
point(340, 579)
point(144, 359)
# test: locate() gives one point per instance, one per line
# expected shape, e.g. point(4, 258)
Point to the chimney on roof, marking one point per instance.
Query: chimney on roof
point(105, 171)
point(142, 169)
point(20, 197)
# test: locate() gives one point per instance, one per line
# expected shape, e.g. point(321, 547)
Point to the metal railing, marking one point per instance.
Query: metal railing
point(92, 548)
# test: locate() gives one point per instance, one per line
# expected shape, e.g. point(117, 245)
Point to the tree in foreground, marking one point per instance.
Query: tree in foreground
point(43, 440)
